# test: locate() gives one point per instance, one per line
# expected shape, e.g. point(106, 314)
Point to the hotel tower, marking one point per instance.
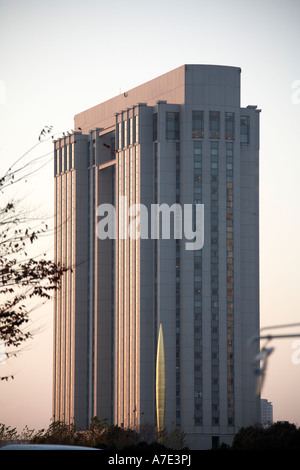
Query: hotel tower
point(146, 329)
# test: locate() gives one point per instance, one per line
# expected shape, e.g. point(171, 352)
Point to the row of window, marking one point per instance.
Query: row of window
point(127, 132)
point(177, 267)
point(198, 379)
point(64, 159)
point(215, 126)
point(127, 264)
point(229, 282)
point(214, 247)
point(173, 128)
point(65, 156)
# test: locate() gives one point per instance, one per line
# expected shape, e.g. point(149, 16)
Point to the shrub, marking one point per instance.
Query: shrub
point(279, 436)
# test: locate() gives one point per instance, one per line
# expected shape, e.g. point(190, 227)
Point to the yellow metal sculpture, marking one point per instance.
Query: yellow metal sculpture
point(160, 381)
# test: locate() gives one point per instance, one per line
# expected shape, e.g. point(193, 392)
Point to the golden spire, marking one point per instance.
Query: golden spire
point(160, 381)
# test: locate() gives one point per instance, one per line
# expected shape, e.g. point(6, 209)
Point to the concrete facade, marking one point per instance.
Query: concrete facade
point(181, 138)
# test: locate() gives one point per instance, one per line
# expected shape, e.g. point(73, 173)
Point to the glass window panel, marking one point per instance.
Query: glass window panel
point(214, 124)
point(120, 135)
point(130, 131)
point(136, 129)
point(197, 124)
point(214, 149)
point(245, 129)
point(125, 133)
point(155, 126)
point(229, 126)
point(172, 125)
point(93, 156)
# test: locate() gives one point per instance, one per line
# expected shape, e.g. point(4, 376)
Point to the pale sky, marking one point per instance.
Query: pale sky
point(59, 58)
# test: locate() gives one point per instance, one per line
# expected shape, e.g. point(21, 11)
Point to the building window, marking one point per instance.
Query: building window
point(113, 145)
point(64, 158)
point(56, 162)
point(197, 125)
point(125, 133)
point(154, 119)
point(73, 155)
point(120, 135)
point(67, 158)
point(214, 151)
point(70, 156)
point(229, 126)
point(136, 129)
point(130, 131)
point(93, 156)
point(172, 126)
point(214, 124)
point(59, 161)
point(245, 129)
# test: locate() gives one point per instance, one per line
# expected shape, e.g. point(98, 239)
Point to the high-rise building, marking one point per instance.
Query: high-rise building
point(266, 412)
point(181, 140)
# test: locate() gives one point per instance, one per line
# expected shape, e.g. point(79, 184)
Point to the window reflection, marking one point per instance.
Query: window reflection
point(197, 125)
point(245, 129)
point(214, 124)
point(172, 125)
point(229, 126)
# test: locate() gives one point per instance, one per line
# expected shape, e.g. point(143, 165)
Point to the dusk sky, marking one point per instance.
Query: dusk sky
point(59, 58)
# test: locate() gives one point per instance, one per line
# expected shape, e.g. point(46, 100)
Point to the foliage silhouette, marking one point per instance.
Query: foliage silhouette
point(278, 436)
point(23, 277)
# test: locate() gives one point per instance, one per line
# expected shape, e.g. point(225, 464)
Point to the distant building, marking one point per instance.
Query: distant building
point(266, 412)
point(182, 138)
